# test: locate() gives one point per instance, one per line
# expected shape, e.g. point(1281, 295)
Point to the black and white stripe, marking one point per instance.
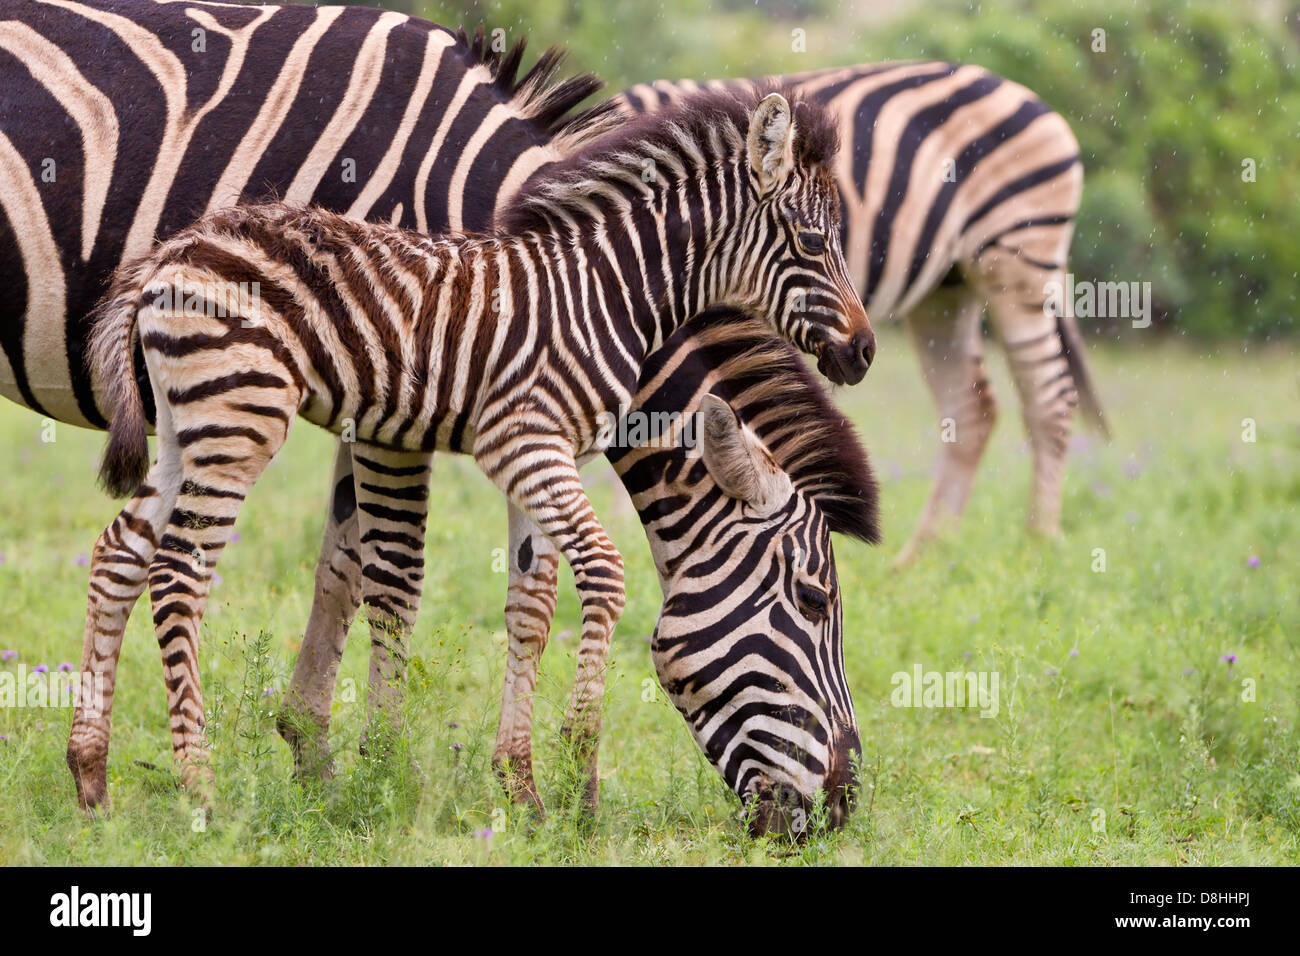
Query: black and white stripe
point(147, 114)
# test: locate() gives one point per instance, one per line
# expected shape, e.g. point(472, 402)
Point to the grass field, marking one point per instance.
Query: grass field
point(1123, 736)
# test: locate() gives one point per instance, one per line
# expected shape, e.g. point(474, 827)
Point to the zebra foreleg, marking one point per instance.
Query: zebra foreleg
point(945, 329)
point(530, 606)
point(119, 570)
point(540, 476)
point(305, 712)
point(392, 489)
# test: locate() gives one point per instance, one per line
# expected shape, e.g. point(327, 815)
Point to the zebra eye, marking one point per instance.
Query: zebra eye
point(813, 602)
point(814, 242)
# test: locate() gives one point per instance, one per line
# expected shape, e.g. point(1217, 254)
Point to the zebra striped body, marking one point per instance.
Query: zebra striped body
point(145, 114)
point(390, 334)
point(960, 190)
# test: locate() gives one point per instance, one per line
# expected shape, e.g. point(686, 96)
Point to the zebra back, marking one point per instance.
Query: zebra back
point(125, 120)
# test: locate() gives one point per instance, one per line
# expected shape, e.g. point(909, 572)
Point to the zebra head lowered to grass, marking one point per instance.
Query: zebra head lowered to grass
point(510, 347)
point(749, 643)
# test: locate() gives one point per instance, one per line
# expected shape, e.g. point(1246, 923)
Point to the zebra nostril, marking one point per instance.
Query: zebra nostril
point(865, 345)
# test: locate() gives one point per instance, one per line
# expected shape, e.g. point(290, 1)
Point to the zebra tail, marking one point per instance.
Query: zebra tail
point(111, 357)
point(1072, 346)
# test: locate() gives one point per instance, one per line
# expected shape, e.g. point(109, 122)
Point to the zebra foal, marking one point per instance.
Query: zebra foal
point(508, 347)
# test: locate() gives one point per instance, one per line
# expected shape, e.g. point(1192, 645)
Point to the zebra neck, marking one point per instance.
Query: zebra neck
point(644, 257)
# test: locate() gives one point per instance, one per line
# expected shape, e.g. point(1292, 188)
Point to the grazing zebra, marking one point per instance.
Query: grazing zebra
point(508, 346)
point(749, 642)
point(960, 190)
point(750, 639)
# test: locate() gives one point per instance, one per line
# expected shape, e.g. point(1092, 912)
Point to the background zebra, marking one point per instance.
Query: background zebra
point(510, 346)
point(960, 190)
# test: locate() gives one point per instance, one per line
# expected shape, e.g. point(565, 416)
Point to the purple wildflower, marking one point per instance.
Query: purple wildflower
point(452, 724)
point(483, 834)
point(234, 537)
point(83, 561)
point(455, 746)
point(40, 669)
point(216, 579)
point(65, 667)
point(1074, 652)
point(1252, 561)
point(1229, 659)
point(8, 655)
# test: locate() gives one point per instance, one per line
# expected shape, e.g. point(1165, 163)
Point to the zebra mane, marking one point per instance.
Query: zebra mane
point(686, 135)
point(548, 104)
point(782, 401)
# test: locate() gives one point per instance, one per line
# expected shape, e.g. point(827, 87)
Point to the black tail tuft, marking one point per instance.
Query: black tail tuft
point(126, 456)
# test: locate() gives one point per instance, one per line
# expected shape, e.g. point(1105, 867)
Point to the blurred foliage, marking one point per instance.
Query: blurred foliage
point(1184, 93)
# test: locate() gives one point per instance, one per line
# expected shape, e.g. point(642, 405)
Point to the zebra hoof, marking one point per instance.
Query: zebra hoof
point(90, 774)
point(308, 740)
point(200, 783)
point(516, 777)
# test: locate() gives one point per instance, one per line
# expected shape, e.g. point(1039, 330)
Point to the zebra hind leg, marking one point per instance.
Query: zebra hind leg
point(945, 330)
point(119, 571)
point(392, 489)
point(1029, 331)
point(220, 463)
point(530, 607)
point(304, 716)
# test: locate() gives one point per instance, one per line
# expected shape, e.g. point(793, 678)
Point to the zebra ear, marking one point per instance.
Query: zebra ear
point(771, 142)
point(737, 460)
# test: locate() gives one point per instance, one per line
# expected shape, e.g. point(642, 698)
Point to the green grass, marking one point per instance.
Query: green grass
point(1146, 725)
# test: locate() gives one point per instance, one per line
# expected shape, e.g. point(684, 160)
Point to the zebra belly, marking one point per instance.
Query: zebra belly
point(48, 386)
